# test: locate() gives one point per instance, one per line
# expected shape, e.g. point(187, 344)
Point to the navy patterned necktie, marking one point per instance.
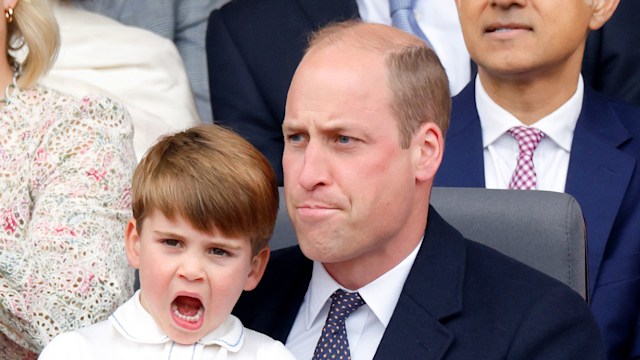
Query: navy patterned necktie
point(403, 18)
point(333, 342)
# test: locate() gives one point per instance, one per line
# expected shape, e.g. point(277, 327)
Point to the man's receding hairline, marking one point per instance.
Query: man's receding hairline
point(373, 37)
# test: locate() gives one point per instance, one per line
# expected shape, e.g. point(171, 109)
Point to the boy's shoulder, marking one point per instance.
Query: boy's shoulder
point(77, 344)
point(260, 346)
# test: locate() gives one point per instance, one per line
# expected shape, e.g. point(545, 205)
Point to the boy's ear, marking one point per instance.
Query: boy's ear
point(132, 243)
point(258, 265)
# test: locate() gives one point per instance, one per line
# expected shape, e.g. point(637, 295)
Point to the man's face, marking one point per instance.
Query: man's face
point(520, 37)
point(349, 185)
point(190, 280)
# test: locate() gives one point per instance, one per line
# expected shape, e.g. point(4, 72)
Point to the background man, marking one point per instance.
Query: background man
point(529, 55)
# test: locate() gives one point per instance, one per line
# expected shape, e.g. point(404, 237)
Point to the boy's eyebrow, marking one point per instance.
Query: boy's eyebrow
point(222, 241)
point(169, 234)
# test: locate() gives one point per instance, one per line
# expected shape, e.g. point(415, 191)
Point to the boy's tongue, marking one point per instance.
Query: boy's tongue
point(187, 306)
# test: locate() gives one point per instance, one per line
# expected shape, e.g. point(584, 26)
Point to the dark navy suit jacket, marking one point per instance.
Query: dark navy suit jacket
point(461, 300)
point(604, 177)
point(253, 49)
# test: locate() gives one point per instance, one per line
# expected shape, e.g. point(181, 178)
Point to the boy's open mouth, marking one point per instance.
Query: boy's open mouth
point(187, 308)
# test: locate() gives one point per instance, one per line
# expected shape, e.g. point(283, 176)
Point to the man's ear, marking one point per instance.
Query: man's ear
point(602, 12)
point(132, 243)
point(258, 265)
point(428, 142)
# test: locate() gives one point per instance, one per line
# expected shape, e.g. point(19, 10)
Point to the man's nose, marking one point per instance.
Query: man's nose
point(315, 166)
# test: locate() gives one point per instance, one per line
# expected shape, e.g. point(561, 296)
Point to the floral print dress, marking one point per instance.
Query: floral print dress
point(65, 175)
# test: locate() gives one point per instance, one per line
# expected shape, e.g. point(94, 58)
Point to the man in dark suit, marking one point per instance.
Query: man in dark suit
point(363, 129)
point(612, 54)
point(529, 56)
point(254, 47)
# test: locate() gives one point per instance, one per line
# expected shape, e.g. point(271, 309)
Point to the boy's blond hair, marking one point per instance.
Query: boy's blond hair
point(214, 179)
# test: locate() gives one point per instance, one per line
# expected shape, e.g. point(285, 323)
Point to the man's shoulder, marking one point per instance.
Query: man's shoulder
point(507, 300)
point(613, 120)
point(491, 272)
point(465, 298)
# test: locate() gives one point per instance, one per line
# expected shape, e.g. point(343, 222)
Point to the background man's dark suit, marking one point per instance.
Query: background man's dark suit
point(604, 177)
point(254, 48)
point(611, 61)
point(461, 300)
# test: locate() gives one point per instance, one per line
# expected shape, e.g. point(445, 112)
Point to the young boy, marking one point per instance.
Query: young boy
point(204, 206)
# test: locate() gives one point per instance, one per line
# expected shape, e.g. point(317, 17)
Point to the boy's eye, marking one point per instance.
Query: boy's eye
point(218, 252)
point(171, 242)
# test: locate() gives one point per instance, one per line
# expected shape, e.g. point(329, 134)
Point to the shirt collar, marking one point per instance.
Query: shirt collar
point(134, 323)
point(380, 295)
point(558, 126)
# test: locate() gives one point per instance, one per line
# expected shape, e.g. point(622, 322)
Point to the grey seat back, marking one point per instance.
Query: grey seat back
point(544, 230)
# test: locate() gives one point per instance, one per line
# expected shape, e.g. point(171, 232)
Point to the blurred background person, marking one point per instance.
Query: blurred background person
point(65, 172)
point(182, 21)
point(133, 66)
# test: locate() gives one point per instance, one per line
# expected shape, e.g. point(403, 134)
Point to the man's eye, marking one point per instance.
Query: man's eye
point(295, 137)
point(342, 139)
point(218, 252)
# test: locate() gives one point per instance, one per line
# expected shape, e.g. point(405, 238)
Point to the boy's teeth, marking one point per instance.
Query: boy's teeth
point(193, 318)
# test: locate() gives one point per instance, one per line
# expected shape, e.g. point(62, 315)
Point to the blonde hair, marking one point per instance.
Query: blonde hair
point(33, 25)
point(214, 179)
point(416, 78)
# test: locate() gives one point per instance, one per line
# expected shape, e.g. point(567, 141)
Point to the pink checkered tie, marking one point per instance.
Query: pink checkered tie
point(524, 177)
point(333, 342)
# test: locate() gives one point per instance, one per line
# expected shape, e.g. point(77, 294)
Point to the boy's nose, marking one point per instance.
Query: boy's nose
point(191, 270)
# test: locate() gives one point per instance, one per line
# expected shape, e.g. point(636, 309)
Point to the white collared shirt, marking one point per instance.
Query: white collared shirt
point(131, 333)
point(550, 159)
point(438, 20)
point(365, 326)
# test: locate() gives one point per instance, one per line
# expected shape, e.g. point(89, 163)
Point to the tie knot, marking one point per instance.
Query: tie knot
point(343, 304)
point(528, 138)
point(395, 5)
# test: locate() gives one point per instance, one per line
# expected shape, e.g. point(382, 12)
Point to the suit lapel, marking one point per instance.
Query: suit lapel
point(599, 173)
point(432, 292)
point(322, 12)
point(463, 152)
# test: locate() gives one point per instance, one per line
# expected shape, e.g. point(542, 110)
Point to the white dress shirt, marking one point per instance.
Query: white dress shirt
point(365, 326)
point(550, 159)
point(438, 20)
point(131, 333)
